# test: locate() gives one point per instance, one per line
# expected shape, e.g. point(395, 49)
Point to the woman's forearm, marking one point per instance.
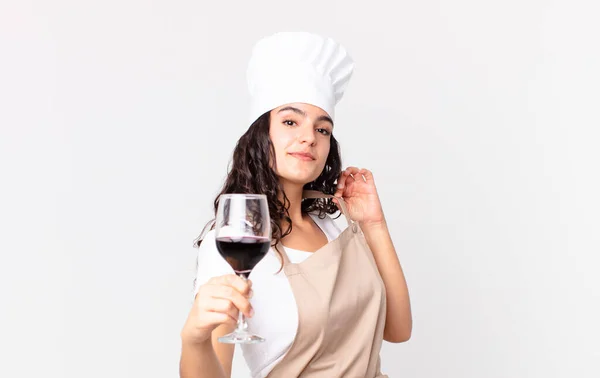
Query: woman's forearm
point(199, 361)
point(398, 324)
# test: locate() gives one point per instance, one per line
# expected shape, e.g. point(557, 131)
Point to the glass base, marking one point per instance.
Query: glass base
point(238, 337)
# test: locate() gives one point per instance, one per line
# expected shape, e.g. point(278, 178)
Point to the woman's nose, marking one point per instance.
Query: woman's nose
point(307, 134)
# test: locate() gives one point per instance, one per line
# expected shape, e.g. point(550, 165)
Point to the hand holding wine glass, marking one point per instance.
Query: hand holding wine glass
point(243, 238)
point(217, 302)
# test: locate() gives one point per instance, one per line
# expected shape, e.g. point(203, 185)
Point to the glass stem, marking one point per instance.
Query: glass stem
point(242, 326)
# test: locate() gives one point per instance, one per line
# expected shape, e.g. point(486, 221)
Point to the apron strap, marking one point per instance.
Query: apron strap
point(316, 194)
point(344, 209)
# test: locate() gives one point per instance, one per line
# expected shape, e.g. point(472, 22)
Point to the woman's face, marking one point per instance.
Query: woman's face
point(300, 134)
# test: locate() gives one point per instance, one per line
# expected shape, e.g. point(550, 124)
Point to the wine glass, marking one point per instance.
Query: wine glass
point(243, 237)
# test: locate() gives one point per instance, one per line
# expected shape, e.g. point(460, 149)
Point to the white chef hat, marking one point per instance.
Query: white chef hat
point(289, 67)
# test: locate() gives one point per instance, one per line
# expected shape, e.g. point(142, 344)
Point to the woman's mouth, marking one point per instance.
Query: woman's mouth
point(303, 156)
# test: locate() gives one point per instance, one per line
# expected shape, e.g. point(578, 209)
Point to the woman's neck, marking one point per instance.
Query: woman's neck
point(294, 195)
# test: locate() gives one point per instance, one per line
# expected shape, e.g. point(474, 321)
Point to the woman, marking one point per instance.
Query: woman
point(326, 298)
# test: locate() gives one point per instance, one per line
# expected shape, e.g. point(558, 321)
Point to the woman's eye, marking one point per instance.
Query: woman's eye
point(289, 123)
point(324, 131)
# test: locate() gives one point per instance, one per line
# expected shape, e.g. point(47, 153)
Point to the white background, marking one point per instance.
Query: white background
point(479, 120)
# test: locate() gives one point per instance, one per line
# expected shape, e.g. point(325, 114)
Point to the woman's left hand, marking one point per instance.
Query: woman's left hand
point(357, 188)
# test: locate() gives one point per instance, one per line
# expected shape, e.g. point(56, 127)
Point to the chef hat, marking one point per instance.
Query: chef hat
point(289, 67)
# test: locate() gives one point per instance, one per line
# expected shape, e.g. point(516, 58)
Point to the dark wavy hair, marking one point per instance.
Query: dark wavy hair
point(251, 171)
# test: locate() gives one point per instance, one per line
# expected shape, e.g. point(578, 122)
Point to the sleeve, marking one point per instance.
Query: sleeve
point(210, 263)
point(334, 226)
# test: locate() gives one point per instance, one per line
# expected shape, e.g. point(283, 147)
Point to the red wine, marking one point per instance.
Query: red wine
point(243, 254)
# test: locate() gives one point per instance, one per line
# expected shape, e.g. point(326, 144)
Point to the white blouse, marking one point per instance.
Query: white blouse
point(275, 311)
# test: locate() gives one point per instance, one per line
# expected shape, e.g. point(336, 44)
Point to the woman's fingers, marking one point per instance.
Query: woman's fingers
point(346, 173)
point(353, 174)
point(234, 296)
point(367, 175)
point(215, 319)
point(223, 306)
point(341, 183)
point(218, 302)
point(352, 171)
point(243, 286)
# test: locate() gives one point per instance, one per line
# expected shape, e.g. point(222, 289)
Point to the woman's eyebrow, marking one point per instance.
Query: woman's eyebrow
point(303, 113)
